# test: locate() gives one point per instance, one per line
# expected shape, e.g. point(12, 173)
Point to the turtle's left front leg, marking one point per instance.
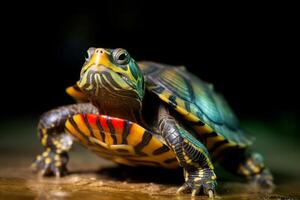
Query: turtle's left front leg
point(192, 156)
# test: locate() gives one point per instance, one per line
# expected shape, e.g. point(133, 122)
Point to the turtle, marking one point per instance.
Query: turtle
point(149, 114)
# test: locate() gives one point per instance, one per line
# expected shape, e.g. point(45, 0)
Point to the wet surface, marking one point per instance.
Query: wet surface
point(96, 178)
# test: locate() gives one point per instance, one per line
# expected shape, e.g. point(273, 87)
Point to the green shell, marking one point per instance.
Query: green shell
point(195, 99)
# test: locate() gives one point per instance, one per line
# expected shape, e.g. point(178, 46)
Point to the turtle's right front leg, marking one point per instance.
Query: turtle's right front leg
point(57, 143)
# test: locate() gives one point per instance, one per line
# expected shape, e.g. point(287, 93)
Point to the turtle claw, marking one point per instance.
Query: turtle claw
point(57, 174)
point(183, 189)
point(180, 190)
point(50, 163)
point(263, 180)
point(207, 189)
point(210, 194)
point(42, 172)
point(195, 192)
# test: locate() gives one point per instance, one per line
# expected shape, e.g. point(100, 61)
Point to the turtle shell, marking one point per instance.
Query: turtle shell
point(120, 140)
point(207, 111)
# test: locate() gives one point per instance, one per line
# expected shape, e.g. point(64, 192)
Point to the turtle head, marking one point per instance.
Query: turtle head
point(113, 71)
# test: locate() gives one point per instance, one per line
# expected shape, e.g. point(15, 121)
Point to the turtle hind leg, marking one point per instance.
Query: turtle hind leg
point(255, 171)
point(249, 165)
point(51, 128)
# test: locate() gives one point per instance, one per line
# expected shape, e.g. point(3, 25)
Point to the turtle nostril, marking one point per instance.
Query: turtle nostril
point(99, 51)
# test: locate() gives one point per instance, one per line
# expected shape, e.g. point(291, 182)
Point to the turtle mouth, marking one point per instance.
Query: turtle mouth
point(100, 78)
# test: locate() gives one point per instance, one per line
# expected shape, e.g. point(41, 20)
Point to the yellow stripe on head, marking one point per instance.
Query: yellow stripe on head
point(97, 56)
point(122, 66)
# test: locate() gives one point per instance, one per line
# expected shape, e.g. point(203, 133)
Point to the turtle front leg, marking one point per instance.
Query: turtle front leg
point(192, 156)
point(51, 128)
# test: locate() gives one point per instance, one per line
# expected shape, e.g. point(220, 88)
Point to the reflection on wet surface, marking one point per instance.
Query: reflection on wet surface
point(111, 182)
point(95, 178)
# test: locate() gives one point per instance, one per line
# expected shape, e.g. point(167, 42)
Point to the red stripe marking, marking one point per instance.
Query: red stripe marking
point(103, 122)
point(91, 118)
point(117, 123)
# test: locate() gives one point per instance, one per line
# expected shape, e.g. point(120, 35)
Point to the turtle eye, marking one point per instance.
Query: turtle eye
point(121, 56)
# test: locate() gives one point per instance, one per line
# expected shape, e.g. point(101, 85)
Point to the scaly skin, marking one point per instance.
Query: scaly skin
point(198, 169)
point(54, 159)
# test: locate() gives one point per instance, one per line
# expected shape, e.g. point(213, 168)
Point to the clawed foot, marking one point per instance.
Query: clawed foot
point(196, 184)
point(51, 163)
point(263, 180)
point(207, 189)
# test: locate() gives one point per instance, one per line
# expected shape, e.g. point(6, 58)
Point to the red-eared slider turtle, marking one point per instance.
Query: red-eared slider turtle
point(146, 113)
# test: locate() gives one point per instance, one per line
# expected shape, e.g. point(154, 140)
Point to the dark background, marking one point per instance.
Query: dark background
point(248, 52)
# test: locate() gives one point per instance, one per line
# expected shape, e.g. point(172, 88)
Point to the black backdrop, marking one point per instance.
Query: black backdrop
point(248, 53)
